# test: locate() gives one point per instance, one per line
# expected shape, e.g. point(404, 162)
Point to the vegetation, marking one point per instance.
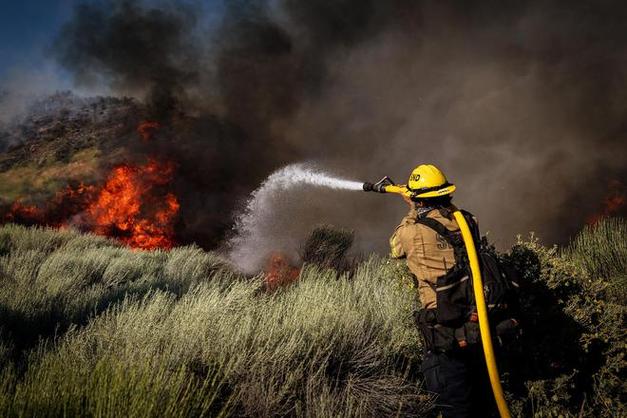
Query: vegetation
point(572, 358)
point(90, 328)
point(47, 176)
point(327, 246)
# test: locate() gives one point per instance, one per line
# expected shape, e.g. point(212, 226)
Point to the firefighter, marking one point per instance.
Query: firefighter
point(453, 365)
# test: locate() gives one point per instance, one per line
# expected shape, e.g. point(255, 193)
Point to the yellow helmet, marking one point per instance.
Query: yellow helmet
point(428, 181)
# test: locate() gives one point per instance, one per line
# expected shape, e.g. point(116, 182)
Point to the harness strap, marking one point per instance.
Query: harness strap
point(454, 239)
point(438, 227)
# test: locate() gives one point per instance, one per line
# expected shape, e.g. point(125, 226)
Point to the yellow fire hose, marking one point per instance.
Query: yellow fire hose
point(482, 311)
point(386, 185)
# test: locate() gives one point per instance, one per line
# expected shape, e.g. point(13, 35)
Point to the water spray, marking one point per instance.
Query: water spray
point(249, 246)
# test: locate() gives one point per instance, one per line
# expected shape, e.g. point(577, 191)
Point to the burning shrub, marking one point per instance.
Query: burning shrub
point(132, 207)
point(135, 204)
point(147, 129)
point(279, 272)
point(325, 247)
point(614, 202)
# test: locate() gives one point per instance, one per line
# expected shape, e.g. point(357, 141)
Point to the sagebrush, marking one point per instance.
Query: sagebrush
point(90, 328)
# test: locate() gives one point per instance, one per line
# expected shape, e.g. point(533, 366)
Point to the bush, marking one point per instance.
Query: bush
point(89, 328)
point(178, 333)
point(600, 251)
point(71, 276)
point(572, 357)
point(327, 246)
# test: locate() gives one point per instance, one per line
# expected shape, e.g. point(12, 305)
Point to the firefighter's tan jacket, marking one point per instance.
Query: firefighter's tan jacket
point(428, 254)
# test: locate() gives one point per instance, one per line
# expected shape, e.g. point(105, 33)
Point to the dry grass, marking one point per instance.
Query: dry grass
point(90, 328)
point(101, 330)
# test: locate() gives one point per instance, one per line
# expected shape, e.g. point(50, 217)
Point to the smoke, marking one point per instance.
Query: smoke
point(522, 104)
point(20, 88)
point(522, 108)
point(138, 51)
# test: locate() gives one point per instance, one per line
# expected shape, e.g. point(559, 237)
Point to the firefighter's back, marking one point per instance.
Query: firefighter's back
point(428, 253)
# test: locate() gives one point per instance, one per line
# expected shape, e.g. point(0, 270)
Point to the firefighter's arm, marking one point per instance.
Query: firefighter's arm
point(396, 248)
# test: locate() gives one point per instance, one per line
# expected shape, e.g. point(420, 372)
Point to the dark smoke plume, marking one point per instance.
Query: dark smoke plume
point(135, 50)
point(523, 104)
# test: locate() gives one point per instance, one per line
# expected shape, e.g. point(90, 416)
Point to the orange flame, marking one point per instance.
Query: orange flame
point(279, 272)
point(147, 129)
point(20, 212)
point(127, 208)
point(614, 201)
point(132, 206)
point(65, 203)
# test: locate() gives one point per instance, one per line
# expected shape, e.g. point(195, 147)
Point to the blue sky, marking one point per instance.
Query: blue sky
point(26, 30)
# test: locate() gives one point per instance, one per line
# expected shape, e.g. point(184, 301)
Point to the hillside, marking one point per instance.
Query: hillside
point(63, 151)
point(92, 328)
point(61, 139)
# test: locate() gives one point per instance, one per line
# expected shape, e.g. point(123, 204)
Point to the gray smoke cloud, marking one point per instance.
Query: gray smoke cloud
point(522, 104)
point(19, 88)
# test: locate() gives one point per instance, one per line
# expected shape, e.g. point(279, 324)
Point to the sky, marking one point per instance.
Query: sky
point(27, 28)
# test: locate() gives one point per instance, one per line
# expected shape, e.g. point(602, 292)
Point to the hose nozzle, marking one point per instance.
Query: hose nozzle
point(378, 186)
point(386, 185)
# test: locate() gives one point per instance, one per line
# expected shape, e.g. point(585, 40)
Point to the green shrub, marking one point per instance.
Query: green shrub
point(572, 359)
point(327, 246)
point(72, 276)
point(90, 328)
point(111, 387)
point(326, 346)
point(600, 250)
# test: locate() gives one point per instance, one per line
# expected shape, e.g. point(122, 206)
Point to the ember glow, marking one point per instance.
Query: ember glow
point(22, 213)
point(279, 272)
point(147, 129)
point(614, 201)
point(66, 203)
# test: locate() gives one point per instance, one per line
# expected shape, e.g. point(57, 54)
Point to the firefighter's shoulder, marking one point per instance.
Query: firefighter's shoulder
point(445, 217)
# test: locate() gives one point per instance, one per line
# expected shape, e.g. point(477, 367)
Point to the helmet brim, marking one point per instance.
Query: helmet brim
point(436, 193)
